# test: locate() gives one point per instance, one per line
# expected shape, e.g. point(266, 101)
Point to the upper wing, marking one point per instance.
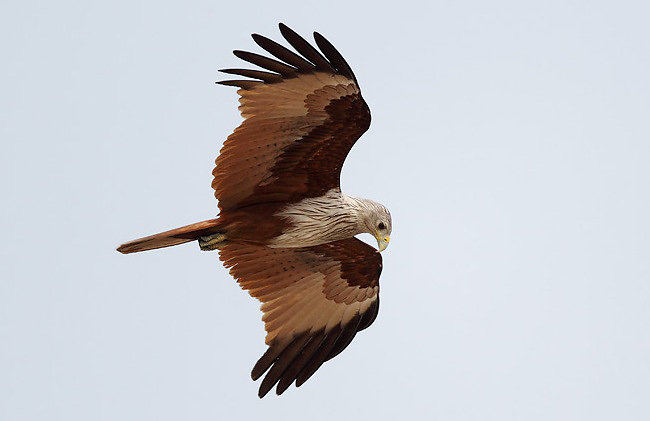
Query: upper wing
point(300, 121)
point(314, 300)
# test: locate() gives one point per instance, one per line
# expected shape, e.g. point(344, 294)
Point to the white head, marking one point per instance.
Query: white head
point(375, 219)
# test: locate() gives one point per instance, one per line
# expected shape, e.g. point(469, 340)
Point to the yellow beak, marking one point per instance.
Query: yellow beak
point(382, 242)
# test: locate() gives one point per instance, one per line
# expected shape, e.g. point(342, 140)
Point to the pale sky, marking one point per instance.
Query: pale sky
point(510, 141)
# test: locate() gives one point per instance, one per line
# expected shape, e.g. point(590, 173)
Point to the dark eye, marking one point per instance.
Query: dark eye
point(381, 226)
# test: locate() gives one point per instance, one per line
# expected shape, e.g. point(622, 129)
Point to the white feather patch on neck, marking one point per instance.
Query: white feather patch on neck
point(318, 220)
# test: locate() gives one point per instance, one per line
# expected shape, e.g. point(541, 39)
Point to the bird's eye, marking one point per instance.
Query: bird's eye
point(381, 226)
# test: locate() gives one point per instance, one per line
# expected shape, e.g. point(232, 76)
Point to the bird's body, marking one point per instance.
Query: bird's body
point(285, 229)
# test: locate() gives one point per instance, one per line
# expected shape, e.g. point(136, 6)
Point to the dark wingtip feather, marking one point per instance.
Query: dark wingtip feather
point(267, 63)
point(243, 84)
point(334, 56)
point(280, 365)
point(306, 49)
point(265, 361)
point(319, 357)
point(307, 60)
point(369, 315)
point(282, 53)
point(300, 361)
point(349, 332)
point(267, 77)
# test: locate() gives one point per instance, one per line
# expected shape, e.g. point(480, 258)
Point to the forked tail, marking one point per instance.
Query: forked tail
point(170, 238)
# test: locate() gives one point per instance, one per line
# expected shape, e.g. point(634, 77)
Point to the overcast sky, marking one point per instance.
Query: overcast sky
point(510, 141)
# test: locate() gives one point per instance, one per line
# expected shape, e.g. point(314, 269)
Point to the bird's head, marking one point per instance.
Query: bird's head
point(378, 223)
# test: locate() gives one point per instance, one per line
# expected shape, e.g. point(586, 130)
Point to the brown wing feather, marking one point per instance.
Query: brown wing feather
point(306, 323)
point(301, 120)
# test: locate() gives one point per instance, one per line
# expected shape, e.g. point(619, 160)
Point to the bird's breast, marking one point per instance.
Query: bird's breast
point(316, 220)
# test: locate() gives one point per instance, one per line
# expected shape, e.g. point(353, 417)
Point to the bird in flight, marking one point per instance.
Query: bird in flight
point(284, 228)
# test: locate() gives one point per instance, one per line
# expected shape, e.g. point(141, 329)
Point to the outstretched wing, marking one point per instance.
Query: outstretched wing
point(314, 300)
point(300, 121)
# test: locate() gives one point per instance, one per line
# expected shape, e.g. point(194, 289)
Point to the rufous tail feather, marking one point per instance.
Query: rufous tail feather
point(170, 238)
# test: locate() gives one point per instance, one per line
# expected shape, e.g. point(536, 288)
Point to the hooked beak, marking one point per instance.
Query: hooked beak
point(382, 242)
